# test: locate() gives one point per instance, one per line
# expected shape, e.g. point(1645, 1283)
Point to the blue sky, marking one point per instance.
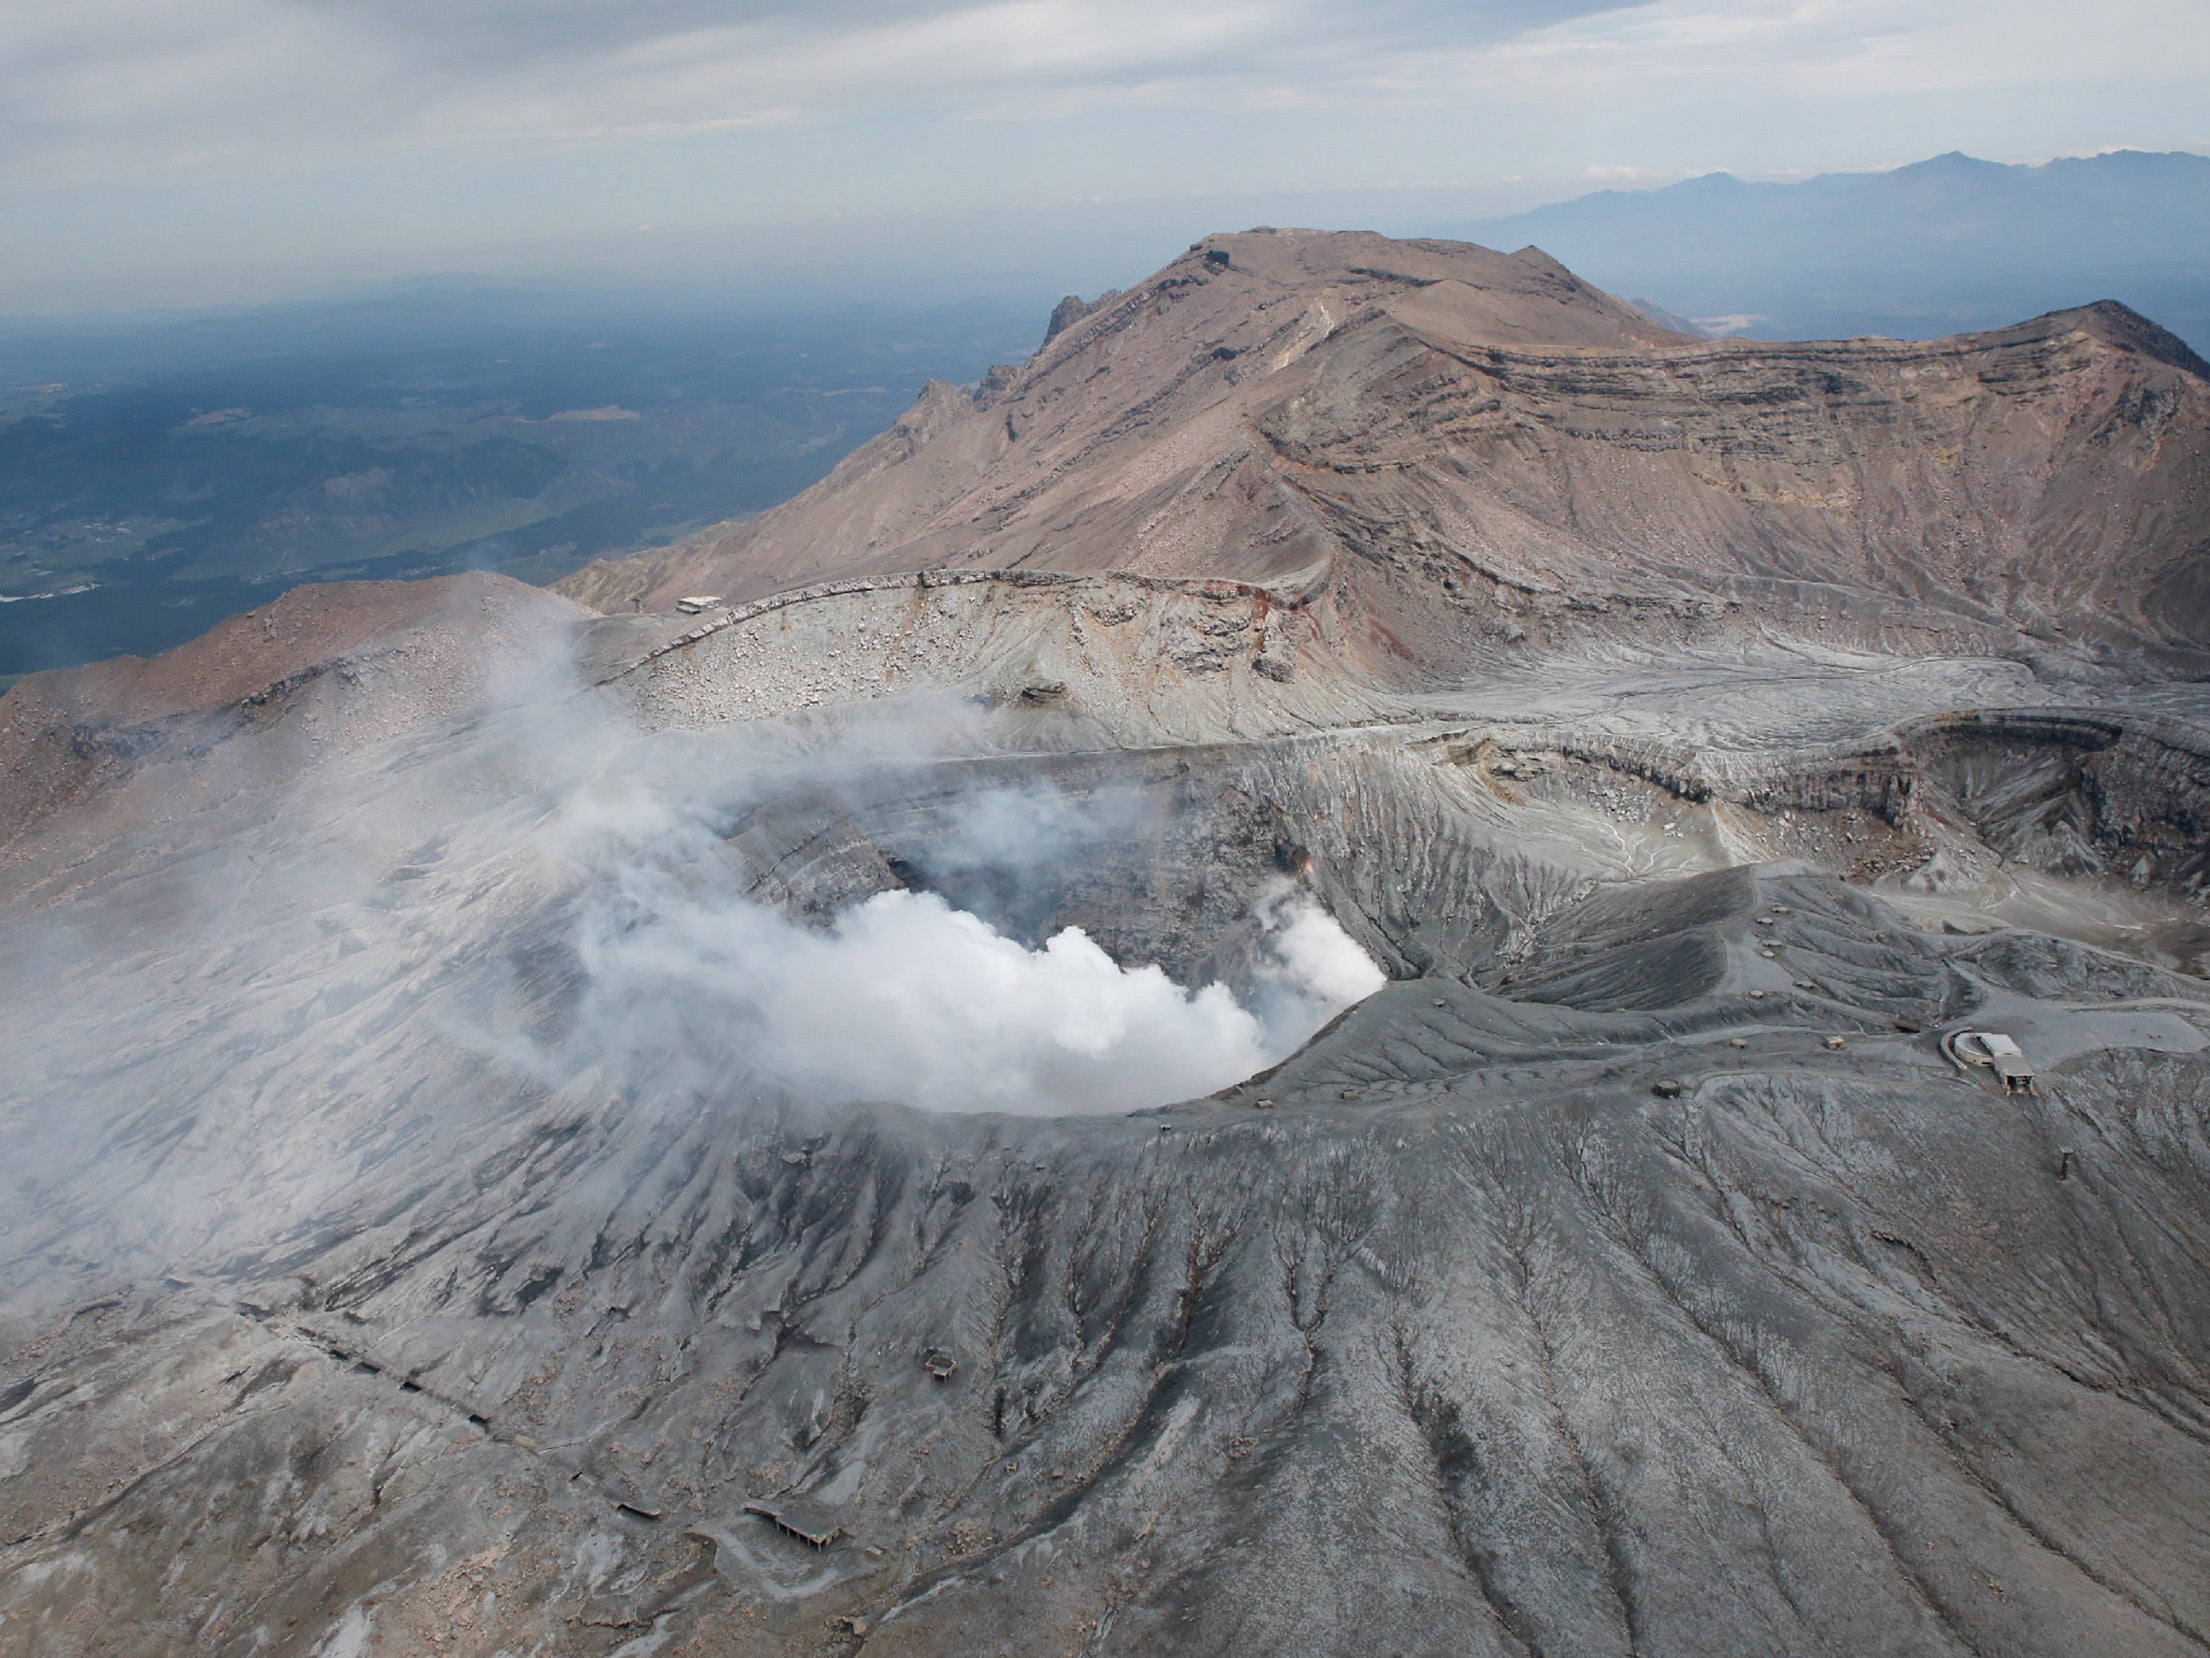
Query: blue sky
point(180, 152)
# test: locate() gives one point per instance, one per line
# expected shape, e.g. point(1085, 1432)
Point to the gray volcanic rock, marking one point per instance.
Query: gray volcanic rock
point(1072, 310)
point(416, 1235)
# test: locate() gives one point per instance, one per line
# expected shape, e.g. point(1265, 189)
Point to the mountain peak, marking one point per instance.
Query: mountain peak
point(2118, 324)
point(1950, 243)
point(1296, 408)
point(1951, 163)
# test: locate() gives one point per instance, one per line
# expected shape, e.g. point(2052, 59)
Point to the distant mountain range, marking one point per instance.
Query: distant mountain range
point(1938, 247)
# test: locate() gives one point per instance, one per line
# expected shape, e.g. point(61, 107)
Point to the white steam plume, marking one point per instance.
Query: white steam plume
point(904, 998)
point(1319, 964)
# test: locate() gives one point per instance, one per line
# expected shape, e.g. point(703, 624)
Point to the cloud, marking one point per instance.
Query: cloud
point(1838, 49)
point(145, 89)
point(157, 151)
point(132, 88)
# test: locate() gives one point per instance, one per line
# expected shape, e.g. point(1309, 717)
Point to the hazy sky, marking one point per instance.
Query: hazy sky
point(185, 151)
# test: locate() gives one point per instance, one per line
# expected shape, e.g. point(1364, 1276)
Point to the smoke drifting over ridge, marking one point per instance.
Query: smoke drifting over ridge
point(952, 983)
point(534, 919)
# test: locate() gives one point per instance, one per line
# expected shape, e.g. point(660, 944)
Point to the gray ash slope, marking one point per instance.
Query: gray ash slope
point(381, 1276)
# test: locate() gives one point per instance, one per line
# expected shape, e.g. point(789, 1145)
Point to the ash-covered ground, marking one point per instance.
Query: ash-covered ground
point(456, 1180)
point(1026, 1111)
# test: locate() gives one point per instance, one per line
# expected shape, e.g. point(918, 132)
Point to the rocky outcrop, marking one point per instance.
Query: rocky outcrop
point(1073, 309)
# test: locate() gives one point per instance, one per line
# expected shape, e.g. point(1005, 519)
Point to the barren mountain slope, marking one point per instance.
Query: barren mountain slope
point(487, 1174)
point(1631, 1276)
point(1290, 407)
point(337, 663)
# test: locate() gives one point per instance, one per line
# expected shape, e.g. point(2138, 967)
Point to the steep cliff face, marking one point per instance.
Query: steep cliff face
point(1297, 408)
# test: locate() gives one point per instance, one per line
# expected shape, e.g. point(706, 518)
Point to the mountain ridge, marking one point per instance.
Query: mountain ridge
point(1945, 245)
point(1317, 407)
